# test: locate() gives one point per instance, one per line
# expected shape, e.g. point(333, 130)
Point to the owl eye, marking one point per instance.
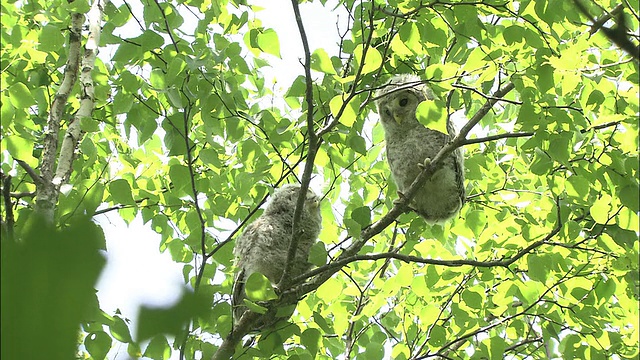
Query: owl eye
point(404, 102)
point(387, 112)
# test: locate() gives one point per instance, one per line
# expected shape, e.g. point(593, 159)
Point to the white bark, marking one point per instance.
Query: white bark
point(48, 190)
point(74, 133)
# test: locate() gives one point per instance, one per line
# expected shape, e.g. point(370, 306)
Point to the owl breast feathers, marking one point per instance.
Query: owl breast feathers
point(264, 244)
point(409, 143)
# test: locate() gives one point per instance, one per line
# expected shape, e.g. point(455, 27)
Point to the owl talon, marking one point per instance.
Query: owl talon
point(400, 198)
point(424, 164)
point(400, 202)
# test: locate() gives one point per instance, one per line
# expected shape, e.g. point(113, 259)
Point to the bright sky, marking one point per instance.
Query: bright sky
point(137, 273)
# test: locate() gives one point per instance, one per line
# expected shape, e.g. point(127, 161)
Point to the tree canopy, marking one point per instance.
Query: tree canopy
point(167, 111)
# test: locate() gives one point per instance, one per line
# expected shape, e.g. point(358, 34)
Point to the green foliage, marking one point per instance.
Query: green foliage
point(47, 290)
point(190, 132)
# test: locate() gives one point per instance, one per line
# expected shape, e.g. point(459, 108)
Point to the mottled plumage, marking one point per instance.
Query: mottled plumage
point(409, 143)
point(263, 246)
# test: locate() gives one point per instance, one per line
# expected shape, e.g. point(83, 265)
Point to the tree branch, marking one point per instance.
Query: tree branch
point(74, 133)
point(46, 192)
point(386, 220)
point(506, 319)
point(228, 346)
point(37, 179)
point(617, 34)
point(416, 259)
point(8, 204)
point(312, 138)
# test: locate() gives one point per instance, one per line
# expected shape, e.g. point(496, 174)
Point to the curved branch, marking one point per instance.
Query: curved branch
point(385, 221)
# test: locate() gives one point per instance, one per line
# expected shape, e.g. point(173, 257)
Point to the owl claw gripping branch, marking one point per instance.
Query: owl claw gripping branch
point(411, 146)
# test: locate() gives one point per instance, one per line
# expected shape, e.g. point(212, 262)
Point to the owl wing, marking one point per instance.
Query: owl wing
point(459, 169)
point(245, 243)
point(458, 163)
point(237, 296)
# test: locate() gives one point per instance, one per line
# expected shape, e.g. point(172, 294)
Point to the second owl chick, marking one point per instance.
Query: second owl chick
point(264, 245)
point(410, 143)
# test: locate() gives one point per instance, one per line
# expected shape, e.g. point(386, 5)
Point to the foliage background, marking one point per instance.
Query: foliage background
point(184, 130)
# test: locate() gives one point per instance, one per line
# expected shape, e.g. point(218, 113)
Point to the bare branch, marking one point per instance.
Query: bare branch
point(312, 138)
point(617, 34)
point(167, 27)
point(416, 259)
point(8, 204)
point(37, 179)
point(599, 23)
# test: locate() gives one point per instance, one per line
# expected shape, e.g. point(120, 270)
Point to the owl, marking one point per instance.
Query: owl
point(264, 244)
point(411, 144)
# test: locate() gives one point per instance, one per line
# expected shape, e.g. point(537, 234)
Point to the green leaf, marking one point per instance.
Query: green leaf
point(476, 220)
point(601, 209)
point(87, 124)
point(348, 115)
point(259, 288)
point(158, 348)
point(472, 299)
point(50, 38)
point(157, 79)
point(373, 351)
point(432, 116)
point(19, 148)
point(133, 349)
point(358, 144)
point(267, 41)
point(542, 163)
point(171, 320)
point(320, 61)
point(559, 147)
point(44, 303)
point(318, 254)
point(372, 61)
point(20, 96)
point(312, 340)
point(121, 192)
point(512, 34)
point(629, 197)
point(180, 177)
point(362, 216)
point(538, 267)
point(438, 336)
point(78, 6)
point(577, 186)
point(404, 277)
point(498, 346)
point(174, 97)
point(120, 330)
point(98, 344)
point(441, 71)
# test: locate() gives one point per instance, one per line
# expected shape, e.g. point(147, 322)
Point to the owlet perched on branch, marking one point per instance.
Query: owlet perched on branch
point(264, 244)
point(410, 144)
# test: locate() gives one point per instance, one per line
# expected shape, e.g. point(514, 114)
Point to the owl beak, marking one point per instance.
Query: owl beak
point(313, 202)
point(397, 118)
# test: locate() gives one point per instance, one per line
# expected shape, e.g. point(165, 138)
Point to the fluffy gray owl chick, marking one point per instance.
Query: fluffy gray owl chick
point(409, 143)
point(264, 244)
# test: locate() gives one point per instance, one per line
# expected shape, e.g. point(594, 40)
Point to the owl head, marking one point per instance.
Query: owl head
point(398, 99)
point(284, 200)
